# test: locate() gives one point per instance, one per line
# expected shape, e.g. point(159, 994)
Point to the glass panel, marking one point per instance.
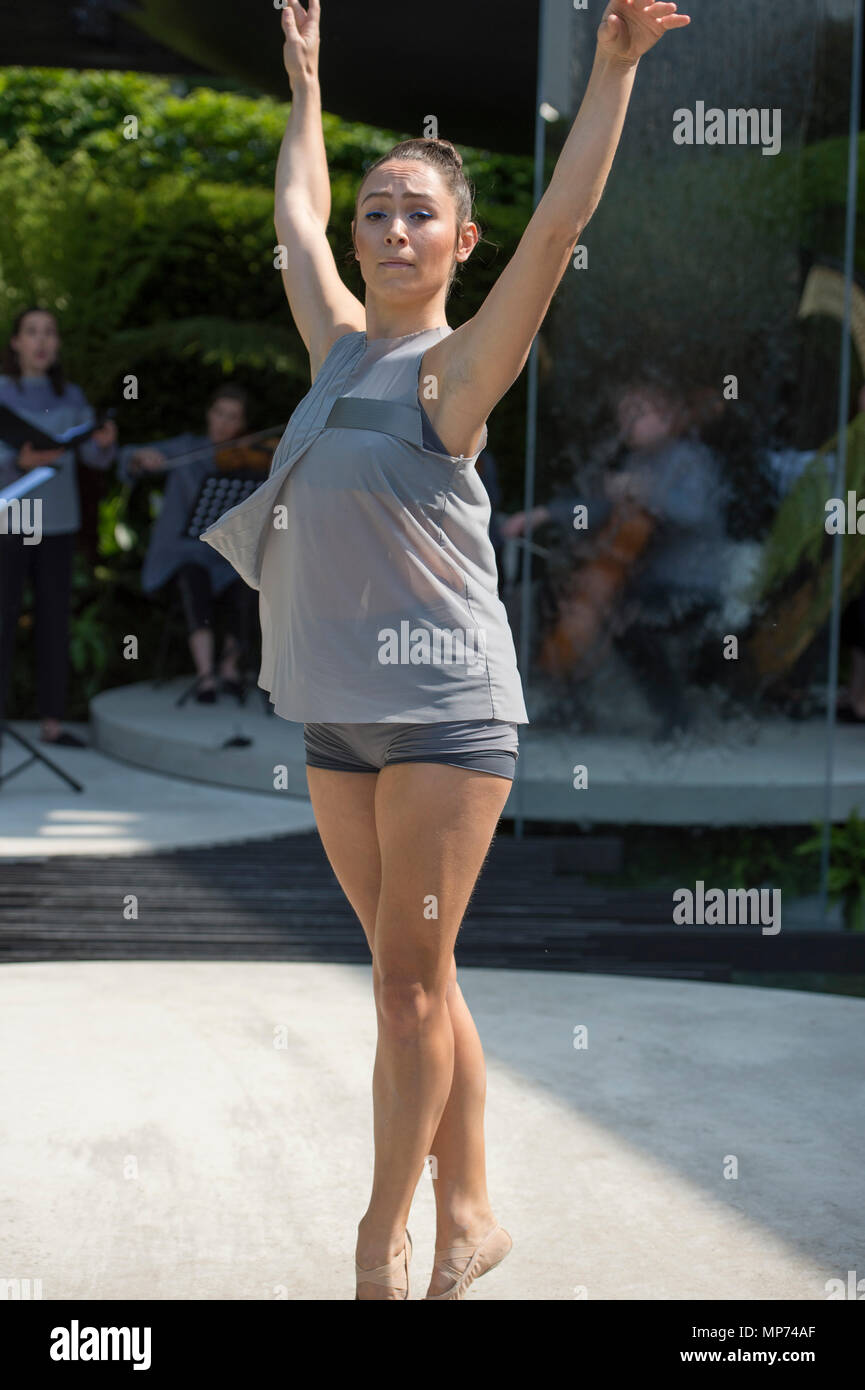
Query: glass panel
point(688, 403)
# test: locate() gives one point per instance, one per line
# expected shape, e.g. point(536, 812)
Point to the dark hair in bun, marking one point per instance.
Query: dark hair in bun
point(446, 158)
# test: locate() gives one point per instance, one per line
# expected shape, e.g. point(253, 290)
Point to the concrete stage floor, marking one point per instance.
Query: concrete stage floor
point(204, 1131)
point(160, 1144)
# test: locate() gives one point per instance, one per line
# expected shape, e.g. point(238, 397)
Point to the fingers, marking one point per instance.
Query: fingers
point(294, 14)
point(669, 20)
point(298, 15)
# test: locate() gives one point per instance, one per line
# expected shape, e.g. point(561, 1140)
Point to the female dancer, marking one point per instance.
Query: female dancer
point(379, 610)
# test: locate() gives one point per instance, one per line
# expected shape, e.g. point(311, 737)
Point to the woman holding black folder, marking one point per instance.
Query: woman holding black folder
point(33, 385)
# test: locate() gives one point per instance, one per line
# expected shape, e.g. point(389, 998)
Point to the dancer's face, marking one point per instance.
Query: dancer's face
point(226, 419)
point(406, 214)
point(37, 342)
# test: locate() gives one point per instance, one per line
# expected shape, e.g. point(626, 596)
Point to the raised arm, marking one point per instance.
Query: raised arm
point(479, 362)
point(322, 306)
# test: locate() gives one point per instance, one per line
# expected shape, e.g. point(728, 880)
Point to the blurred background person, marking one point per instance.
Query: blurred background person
point(656, 534)
point(33, 384)
point(203, 578)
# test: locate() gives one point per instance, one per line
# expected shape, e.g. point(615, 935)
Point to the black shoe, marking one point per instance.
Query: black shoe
point(235, 688)
point(206, 697)
point(846, 715)
point(65, 740)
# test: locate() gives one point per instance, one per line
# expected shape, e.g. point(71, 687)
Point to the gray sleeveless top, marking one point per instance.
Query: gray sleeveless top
point(369, 546)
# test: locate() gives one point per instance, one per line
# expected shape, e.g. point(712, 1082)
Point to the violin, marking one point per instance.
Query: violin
point(255, 458)
point(249, 453)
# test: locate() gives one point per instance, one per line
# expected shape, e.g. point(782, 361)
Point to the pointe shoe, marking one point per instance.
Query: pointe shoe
point(390, 1275)
point(483, 1257)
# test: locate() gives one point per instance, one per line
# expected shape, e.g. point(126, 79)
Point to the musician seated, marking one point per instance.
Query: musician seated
point(671, 478)
point(200, 573)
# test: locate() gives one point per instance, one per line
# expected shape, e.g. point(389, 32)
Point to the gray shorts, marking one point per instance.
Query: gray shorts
point(484, 745)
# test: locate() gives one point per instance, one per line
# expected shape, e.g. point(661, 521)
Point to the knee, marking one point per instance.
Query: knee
point(406, 1004)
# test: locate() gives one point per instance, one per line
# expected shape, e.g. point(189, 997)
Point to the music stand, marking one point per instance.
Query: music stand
point(217, 494)
point(35, 756)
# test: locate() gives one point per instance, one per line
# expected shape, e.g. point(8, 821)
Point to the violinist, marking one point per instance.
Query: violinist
point(661, 517)
point(201, 575)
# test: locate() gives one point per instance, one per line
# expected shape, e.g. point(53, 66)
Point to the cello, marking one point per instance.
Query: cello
point(590, 595)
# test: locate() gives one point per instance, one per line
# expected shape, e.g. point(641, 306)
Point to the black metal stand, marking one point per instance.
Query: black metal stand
point(181, 699)
point(35, 756)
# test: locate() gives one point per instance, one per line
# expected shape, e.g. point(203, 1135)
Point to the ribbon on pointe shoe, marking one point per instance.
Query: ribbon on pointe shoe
point(482, 1258)
point(389, 1275)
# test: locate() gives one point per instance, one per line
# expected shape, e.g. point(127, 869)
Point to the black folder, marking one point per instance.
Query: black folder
point(16, 431)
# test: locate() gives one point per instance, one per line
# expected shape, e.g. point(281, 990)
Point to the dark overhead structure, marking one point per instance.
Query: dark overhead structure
point(391, 63)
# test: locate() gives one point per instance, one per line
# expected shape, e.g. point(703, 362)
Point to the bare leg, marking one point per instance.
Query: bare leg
point(344, 805)
point(463, 1211)
point(435, 824)
point(201, 647)
point(230, 652)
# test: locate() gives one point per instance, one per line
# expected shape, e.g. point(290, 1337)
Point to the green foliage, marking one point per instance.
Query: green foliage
point(798, 539)
point(846, 879)
point(741, 856)
point(196, 132)
point(158, 251)
point(78, 245)
point(157, 254)
point(823, 197)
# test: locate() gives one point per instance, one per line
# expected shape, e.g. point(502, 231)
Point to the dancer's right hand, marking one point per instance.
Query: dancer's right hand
point(300, 29)
point(28, 457)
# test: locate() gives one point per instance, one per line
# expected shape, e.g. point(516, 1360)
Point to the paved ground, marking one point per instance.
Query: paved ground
point(203, 1131)
point(125, 809)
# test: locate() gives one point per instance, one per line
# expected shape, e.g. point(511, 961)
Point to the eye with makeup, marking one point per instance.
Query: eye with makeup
point(411, 214)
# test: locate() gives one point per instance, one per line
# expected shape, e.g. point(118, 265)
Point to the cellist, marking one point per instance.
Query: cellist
point(659, 528)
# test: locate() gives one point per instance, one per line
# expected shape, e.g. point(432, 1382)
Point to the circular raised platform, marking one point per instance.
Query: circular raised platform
point(769, 773)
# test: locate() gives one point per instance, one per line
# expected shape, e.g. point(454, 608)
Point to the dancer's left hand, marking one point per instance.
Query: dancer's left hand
point(629, 28)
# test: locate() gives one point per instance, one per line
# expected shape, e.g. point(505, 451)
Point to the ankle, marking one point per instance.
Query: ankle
point(456, 1224)
point(378, 1245)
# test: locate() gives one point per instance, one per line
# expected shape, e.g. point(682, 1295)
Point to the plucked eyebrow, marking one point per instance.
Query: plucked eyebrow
point(383, 193)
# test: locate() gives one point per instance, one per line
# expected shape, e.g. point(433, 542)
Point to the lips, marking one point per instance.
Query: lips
point(406, 263)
